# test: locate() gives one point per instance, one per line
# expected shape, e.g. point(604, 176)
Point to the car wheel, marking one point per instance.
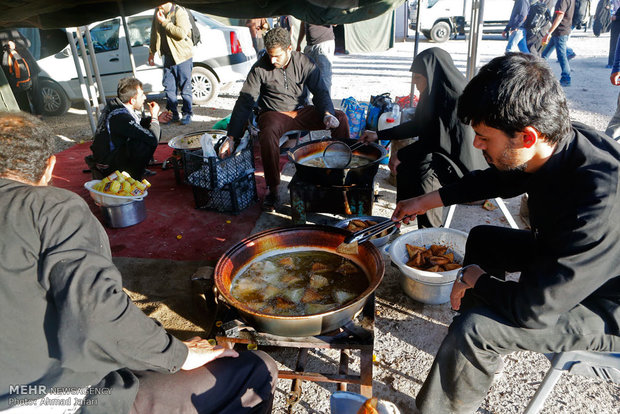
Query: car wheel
point(205, 85)
point(440, 32)
point(54, 100)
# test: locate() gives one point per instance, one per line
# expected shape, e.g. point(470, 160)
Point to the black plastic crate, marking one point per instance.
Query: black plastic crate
point(214, 173)
point(232, 198)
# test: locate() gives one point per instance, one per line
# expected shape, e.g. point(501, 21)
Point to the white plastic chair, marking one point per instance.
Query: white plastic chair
point(603, 365)
point(499, 202)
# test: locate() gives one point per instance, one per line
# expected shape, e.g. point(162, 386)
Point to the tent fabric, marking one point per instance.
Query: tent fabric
point(374, 35)
point(47, 14)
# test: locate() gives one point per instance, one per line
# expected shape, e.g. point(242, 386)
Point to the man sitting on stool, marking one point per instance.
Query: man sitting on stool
point(125, 139)
point(280, 81)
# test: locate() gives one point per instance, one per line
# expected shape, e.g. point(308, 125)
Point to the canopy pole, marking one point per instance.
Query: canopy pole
point(127, 39)
point(475, 36)
point(95, 66)
point(415, 49)
point(80, 77)
point(92, 92)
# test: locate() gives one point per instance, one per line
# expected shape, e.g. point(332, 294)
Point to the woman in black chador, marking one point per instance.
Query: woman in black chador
point(444, 150)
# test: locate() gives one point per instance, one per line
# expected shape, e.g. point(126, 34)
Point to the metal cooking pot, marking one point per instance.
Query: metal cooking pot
point(335, 176)
point(301, 238)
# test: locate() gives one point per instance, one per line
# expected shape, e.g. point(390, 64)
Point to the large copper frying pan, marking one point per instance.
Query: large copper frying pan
point(281, 240)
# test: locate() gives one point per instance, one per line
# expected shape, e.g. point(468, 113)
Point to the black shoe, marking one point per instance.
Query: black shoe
point(149, 173)
point(270, 202)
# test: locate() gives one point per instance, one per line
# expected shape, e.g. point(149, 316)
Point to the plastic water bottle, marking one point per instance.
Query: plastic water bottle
point(388, 120)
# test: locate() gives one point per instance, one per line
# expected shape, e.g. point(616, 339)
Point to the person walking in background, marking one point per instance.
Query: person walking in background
point(257, 28)
point(558, 37)
point(320, 47)
point(171, 37)
point(537, 25)
point(514, 29)
point(614, 32)
point(613, 128)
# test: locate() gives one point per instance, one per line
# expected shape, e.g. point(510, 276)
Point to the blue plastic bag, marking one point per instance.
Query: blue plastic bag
point(356, 114)
point(378, 105)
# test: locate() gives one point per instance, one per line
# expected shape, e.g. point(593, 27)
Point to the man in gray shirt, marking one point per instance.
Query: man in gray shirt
point(279, 83)
point(71, 338)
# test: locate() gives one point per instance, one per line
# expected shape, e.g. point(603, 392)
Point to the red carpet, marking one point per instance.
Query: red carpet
point(173, 228)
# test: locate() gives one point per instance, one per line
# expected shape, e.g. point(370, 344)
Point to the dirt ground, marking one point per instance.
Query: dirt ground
point(407, 333)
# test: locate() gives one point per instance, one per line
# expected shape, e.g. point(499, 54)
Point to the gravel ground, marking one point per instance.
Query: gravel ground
point(408, 333)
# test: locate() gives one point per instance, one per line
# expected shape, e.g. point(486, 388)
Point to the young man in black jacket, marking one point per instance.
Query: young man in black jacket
point(125, 140)
point(568, 293)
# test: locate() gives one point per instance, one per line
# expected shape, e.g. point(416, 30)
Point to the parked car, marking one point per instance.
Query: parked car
point(442, 19)
point(225, 54)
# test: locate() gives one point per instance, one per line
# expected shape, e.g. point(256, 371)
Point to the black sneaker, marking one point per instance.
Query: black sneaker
point(149, 173)
point(270, 202)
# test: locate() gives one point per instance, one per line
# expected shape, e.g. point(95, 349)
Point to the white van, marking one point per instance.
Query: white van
point(442, 19)
point(225, 54)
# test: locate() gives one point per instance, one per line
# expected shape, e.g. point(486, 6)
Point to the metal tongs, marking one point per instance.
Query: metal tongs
point(366, 234)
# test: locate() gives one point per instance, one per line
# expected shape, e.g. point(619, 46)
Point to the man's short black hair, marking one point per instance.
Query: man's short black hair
point(514, 91)
point(277, 37)
point(26, 144)
point(127, 89)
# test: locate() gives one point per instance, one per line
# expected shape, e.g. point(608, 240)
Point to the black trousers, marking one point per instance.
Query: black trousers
point(419, 176)
point(243, 385)
point(468, 357)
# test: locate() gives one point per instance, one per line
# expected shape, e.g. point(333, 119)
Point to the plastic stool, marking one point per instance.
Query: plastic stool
point(603, 365)
point(501, 205)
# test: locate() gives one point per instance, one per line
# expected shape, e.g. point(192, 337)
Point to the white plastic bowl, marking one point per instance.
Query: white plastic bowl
point(428, 287)
point(110, 200)
point(345, 402)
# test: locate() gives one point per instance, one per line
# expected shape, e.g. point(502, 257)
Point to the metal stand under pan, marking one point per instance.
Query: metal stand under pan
point(345, 199)
point(356, 334)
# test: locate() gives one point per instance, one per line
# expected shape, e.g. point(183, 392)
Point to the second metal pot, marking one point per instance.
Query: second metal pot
point(364, 174)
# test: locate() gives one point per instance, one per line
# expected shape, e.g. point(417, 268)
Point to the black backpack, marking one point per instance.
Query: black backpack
point(17, 69)
point(537, 18)
point(602, 19)
point(192, 20)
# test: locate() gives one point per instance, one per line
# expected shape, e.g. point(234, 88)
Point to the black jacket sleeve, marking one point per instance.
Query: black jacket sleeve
point(483, 184)
point(243, 107)
point(124, 127)
point(320, 95)
point(100, 329)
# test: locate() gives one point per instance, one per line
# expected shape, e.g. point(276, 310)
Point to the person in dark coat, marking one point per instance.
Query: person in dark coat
point(125, 140)
point(444, 150)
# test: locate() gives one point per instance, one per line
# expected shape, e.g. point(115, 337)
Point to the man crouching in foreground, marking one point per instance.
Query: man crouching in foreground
point(568, 294)
point(71, 338)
